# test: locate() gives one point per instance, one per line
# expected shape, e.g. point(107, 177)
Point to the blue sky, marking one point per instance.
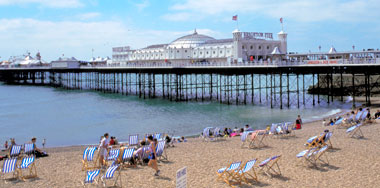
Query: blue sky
point(74, 27)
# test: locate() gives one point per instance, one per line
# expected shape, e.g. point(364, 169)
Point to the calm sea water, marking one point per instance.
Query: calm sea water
point(81, 117)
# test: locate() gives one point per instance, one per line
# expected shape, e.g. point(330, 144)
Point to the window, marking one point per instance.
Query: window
point(185, 51)
point(177, 51)
point(228, 51)
point(195, 53)
point(267, 47)
point(161, 54)
point(242, 47)
point(207, 52)
point(221, 51)
point(200, 53)
point(259, 47)
point(213, 52)
point(251, 47)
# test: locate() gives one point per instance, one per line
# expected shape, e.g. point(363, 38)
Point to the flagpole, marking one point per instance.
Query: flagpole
point(237, 23)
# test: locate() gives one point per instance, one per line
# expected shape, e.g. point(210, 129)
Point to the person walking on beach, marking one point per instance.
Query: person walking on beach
point(103, 148)
point(152, 157)
point(299, 122)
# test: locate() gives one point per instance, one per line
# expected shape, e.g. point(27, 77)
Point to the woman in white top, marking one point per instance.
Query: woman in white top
point(103, 148)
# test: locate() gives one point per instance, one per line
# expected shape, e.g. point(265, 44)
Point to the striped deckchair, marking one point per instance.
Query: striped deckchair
point(327, 140)
point(160, 151)
point(90, 177)
point(27, 163)
point(113, 155)
point(267, 166)
point(257, 139)
point(88, 157)
point(145, 154)
point(228, 174)
point(206, 134)
point(15, 151)
point(157, 136)
point(307, 155)
point(133, 140)
point(109, 174)
point(244, 136)
point(29, 149)
point(243, 173)
point(319, 153)
point(216, 133)
point(287, 129)
point(364, 116)
point(127, 156)
point(355, 131)
point(358, 115)
point(9, 166)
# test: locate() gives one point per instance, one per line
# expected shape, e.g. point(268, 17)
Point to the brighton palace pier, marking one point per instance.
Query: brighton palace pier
point(198, 48)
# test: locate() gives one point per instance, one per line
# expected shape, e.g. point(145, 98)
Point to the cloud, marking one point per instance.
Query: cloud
point(89, 15)
point(181, 16)
point(298, 10)
point(47, 3)
point(77, 38)
point(142, 5)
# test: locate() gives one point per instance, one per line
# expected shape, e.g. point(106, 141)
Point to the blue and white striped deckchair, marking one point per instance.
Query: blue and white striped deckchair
point(113, 155)
point(109, 174)
point(327, 140)
point(355, 131)
point(127, 155)
point(29, 149)
point(364, 116)
point(206, 133)
point(267, 165)
point(15, 151)
point(133, 140)
point(243, 137)
point(216, 133)
point(319, 153)
point(358, 115)
point(226, 174)
point(338, 122)
point(9, 166)
point(157, 136)
point(306, 154)
point(160, 151)
point(27, 163)
point(249, 166)
point(88, 156)
point(90, 177)
point(145, 154)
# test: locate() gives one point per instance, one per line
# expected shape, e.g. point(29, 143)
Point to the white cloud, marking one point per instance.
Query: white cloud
point(298, 10)
point(47, 3)
point(142, 5)
point(77, 38)
point(89, 15)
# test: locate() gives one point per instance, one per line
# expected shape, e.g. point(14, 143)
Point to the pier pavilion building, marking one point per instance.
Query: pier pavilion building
point(199, 48)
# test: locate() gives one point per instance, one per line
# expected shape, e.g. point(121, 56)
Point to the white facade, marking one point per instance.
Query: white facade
point(193, 48)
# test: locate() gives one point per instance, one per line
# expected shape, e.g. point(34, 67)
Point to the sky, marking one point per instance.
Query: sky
point(87, 28)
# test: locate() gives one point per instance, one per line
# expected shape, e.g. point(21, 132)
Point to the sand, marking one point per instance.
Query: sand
point(352, 163)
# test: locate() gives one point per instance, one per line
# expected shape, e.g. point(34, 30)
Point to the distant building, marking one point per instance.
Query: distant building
point(27, 61)
point(193, 48)
point(64, 62)
point(99, 61)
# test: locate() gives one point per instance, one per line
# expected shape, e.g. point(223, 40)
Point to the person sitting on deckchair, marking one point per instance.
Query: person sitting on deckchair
point(38, 152)
point(377, 114)
point(247, 128)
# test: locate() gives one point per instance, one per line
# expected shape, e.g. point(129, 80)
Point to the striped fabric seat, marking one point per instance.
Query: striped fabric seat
point(91, 175)
point(85, 153)
point(245, 135)
point(160, 148)
point(29, 149)
point(110, 172)
point(157, 136)
point(248, 166)
point(352, 128)
point(145, 153)
point(9, 165)
point(133, 140)
point(234, 166)
point(128, 154)
point(26, 162)
point(113, 154)
point(90, 153)
point(15, 151)
point(266, 161)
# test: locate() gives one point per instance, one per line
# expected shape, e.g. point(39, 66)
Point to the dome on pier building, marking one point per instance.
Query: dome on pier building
point(190, 41)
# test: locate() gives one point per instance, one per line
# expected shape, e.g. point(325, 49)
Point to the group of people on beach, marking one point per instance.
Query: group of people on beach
point(37, 151)
point(105, 145)
point(348, 119)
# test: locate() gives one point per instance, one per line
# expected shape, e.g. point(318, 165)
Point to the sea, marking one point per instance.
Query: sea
point(77, 117)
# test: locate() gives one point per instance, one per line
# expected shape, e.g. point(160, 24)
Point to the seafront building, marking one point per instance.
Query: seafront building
point(199, 48)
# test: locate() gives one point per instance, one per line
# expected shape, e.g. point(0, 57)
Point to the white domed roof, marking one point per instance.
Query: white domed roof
point(190, 41)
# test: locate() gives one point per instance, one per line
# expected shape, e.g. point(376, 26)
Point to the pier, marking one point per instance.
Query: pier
point(276, 85)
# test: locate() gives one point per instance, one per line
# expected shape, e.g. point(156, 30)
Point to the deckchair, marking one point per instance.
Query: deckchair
point(145, 154)
point(273, 129)
point(127, 156)
point(88, 157)
point(133, 140)
point(243, 173)
point(29, 149)
point(364, 116)
point(327, 140)
point(355, 131)
point(216, 133)
point(157, 136)
point(15, 151)
point(286, 130)
point(244, 136)
point(109, 174)
point(90, 177)
point(257, 139)
point(227, 174)
point(267, 165)
point(358, 115)
point(319, 153)
point(160, 151)
point(311, 142)
point(307, 155)
point(206, 133)
point(9, 166)
point(113, 155)
point(27, 163)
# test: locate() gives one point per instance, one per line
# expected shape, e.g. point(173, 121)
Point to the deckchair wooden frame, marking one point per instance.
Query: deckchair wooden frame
point(229, 174)
point(94, 161)
point(162, 156)
point(117, 177)
point(258, 140)
point(96, 179)
point(355, 133)
point(269, 166)
point(318, 154)
point(307, 156)
point(14, 174)
point(242, 175)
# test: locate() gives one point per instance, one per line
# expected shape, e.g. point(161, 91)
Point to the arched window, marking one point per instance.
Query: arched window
point(259, 47)
point(200, 53)
point(213, 52)
point(185, 51)
point(221, 51)
point(267, 47)
point(251, 47)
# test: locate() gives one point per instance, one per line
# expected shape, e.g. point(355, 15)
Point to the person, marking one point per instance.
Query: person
point(236, 130)
point(377, 114)
point(169, 141)
point(152, 157)
point(37, 152)
point(324, 123)
point(103, 149)
point(369, 114)
point(247, 128)
point(225, 132)
point(299, 122)
point(116, 141)
point(43, 143)
point(331, 122)
point(112, 141)
point(138, 153)
point(6, 144)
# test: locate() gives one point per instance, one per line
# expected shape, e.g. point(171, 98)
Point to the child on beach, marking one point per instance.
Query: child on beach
point(152, 157)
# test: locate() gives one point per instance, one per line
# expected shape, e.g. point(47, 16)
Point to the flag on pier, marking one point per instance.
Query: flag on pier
point(235, 17)
point(281, 20)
